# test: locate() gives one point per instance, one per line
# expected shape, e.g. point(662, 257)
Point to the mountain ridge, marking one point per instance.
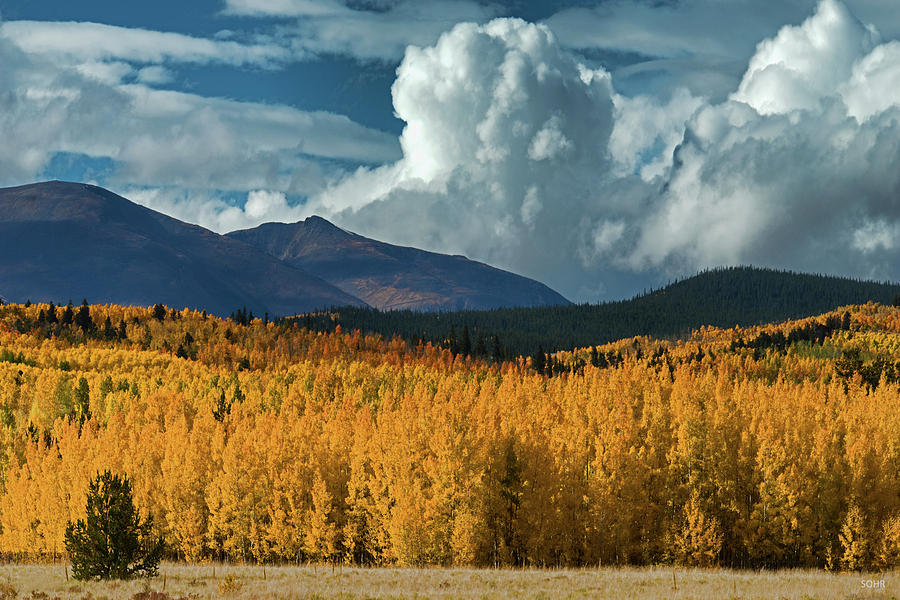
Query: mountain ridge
point(63, 240)
point(392, 277)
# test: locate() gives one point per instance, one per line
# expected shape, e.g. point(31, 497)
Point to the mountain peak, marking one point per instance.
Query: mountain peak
point(317, 221)
point(58, 185)
point(393, 277)
point(57, 201)
point(321, 225)
point(62, 240)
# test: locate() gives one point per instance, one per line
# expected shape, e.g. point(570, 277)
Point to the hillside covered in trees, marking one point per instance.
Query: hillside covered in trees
point(726, 297)
point(767, 446)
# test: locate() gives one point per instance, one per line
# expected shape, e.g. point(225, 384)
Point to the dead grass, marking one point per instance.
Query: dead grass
point(182, 582)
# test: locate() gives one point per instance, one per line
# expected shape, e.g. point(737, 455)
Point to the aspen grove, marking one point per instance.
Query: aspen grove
point(769, 446)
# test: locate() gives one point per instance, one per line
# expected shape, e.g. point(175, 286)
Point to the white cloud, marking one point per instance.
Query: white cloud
point(160, 137)
point(505, 145)
point(285, 8)
point(784, 174)
point(875, 235)
point(155, 75)
point(802, 64)
point(364, 30)
point(549, 143)
point(874, 86)
point(531, 206)
point(605, 237)
point(109, 73)
point(709, 27)
point(647, 131)
point(702, 45)
point(82, 42)
point(514, 154)
point(210, 210)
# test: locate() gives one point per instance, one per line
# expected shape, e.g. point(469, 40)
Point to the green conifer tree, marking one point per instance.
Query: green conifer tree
point(112, 542)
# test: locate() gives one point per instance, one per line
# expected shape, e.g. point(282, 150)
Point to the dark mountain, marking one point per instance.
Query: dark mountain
point(61, 241)
point(722, 297)
point(394, 277)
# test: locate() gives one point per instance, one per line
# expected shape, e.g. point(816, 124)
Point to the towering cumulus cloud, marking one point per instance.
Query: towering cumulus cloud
point(505, 149)
point(516, 154)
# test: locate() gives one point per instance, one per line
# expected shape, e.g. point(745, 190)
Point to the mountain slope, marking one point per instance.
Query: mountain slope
point(61, 241)
point(394, 277)
point(722, 297)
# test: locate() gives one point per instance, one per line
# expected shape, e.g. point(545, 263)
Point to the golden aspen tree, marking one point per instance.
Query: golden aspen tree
point(855, 555)
point(699, 540)
point(320, 533)
point(185, 472)
point(360, 541)
point(888, 556)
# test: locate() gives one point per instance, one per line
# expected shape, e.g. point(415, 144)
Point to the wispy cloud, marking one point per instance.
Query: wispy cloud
point(94, 42)
point(362, 30)
point(162, 138)
point(286, 8)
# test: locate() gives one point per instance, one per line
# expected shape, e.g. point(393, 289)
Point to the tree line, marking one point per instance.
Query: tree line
point(726, 297)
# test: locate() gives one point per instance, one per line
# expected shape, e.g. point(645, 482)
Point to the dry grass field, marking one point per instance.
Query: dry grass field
point(48, 582)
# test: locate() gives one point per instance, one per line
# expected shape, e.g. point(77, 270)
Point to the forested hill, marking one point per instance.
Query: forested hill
point(722, 297)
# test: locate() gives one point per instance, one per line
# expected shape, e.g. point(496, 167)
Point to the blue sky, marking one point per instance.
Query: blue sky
point(601, 147)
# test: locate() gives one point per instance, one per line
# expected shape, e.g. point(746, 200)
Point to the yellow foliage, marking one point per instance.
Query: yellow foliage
point(350, 446)
point(853, 540)
point(699, 541)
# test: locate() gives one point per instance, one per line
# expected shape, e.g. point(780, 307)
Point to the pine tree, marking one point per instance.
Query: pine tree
point(68, 316)
point(452, 342)
point(480, 346)
point(108, 332)
point(159, 312)
point(465, 346)
point(223, 408)
point(496, 350)
point(113, 542)
point(51, 314)
point(539, 360)
point(83, 318)
point(595, 356)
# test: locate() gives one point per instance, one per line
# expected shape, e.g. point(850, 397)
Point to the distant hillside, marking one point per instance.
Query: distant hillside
point(392, 277)
point(62, 241)
point(722, 297)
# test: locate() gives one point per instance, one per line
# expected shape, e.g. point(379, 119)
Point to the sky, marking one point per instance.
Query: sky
point(600, 146)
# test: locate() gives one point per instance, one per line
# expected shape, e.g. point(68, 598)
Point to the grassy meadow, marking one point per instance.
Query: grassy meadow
point(48, 582)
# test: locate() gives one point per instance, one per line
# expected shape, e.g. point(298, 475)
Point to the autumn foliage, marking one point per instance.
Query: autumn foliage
point(266, 442)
